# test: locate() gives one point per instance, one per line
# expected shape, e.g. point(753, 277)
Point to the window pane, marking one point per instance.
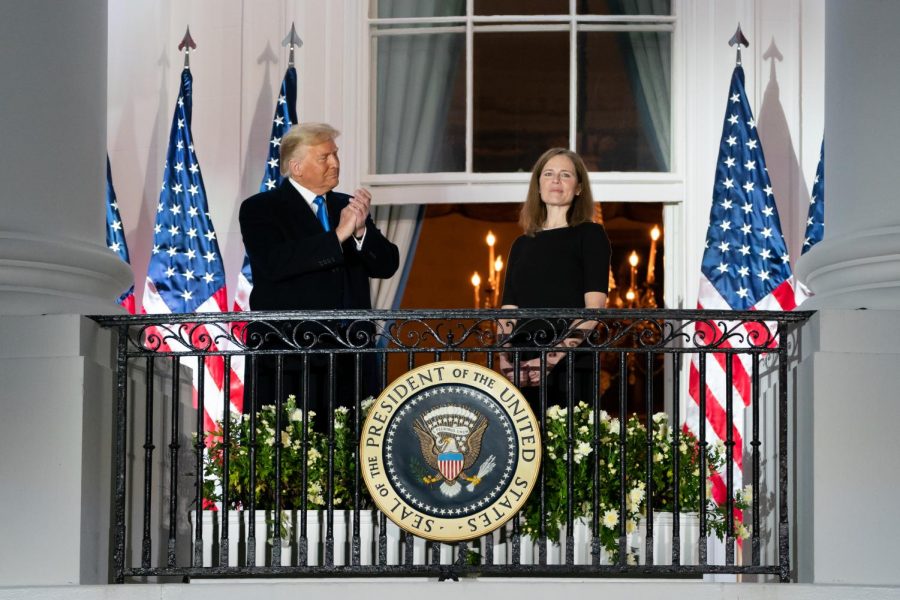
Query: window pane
point(624, 7)
point(521, 7)
point(420, 120)
point(384, 9)
point(624, 100)
point(521, 103)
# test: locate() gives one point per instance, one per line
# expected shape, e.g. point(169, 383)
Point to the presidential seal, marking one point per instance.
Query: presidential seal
point(450, 451)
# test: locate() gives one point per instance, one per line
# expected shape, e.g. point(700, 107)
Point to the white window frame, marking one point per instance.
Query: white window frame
point(667, 188)
point(457, 187)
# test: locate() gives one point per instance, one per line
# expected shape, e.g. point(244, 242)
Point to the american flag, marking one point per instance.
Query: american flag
point(115, 236)
point(185, 274)
point(815, 221)
point(244, 287)
point(745, 267)
point(284, 119)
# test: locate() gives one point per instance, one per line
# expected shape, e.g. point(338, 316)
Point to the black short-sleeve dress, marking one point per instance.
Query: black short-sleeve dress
point(555, 268)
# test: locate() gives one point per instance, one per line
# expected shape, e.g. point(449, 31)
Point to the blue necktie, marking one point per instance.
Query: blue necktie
point(322, 212)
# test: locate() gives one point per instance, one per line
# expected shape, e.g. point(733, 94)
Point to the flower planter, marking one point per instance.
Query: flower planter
point(238, 542)
point(239, 534)
point(689, 536)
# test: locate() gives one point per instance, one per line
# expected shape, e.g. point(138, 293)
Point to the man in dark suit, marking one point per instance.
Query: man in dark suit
point(312, 248)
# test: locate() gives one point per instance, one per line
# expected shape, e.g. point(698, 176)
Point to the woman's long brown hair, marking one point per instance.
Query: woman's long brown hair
point(534, 211)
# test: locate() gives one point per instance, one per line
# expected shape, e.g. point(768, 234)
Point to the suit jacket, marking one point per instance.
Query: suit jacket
point(297, 265)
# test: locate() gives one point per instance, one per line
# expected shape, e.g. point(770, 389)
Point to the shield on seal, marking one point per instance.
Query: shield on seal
point(451, 464)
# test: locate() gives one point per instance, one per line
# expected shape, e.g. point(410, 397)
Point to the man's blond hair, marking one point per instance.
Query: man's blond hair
point(297, 141)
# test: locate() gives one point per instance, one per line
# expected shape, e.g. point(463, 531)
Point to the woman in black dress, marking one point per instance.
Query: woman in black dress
point(561, 261)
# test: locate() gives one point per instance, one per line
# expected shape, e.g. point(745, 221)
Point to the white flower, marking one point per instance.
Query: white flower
point(630, 526)
point(614, 425)
point(611, 518)
point(604, 416)
point(660, 417)
point(632, 558)
point(636, 496)
point(741, 531)
point(296, 415)
point(270, 440)
point(583, 429)
point(748, 493)
point(366, 404)
point(285, 439)
point(341, 410)
point(581, 450)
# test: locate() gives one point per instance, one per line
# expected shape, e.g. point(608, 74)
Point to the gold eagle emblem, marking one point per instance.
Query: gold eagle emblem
point(450, 440)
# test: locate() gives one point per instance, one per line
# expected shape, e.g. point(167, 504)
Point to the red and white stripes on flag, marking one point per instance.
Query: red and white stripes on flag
point(782, 298)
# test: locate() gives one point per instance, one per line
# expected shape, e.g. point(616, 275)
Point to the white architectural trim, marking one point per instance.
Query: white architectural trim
point(41, 276)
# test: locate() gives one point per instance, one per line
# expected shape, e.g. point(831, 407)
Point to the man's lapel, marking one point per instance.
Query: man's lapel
point(296, 208)
point(334, 209)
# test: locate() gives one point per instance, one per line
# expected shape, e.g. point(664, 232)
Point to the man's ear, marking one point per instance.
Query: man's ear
point(294, 168)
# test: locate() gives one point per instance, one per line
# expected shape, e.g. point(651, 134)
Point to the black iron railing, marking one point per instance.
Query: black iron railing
point(197, 492)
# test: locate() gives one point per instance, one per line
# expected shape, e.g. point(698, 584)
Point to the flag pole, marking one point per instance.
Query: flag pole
point(187, 44)
point(293, 40)
point(738, 40)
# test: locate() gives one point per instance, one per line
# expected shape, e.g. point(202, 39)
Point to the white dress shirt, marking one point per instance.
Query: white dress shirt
point(310, 198)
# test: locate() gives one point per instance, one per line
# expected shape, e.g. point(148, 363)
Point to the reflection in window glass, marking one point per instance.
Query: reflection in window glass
point(521, 103)
point(624, 7)
point(384, 9)
point(420, 120)
point(624, 100)
point(521, 7)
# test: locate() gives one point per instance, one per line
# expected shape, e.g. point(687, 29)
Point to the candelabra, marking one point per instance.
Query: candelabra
point(639, 294)
point(488, 295)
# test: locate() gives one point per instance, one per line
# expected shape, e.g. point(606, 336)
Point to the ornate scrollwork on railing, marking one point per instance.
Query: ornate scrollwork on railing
point(422, 331)
point(743, 333)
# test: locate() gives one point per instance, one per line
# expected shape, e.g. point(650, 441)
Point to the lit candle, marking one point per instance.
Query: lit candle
point(651, 261)
point(498, 266)
point(490, 242)
point(633, 261)
point(476, 283)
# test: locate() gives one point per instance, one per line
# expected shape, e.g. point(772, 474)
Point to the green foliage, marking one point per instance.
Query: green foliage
point(618, 475)
point(314, 453)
